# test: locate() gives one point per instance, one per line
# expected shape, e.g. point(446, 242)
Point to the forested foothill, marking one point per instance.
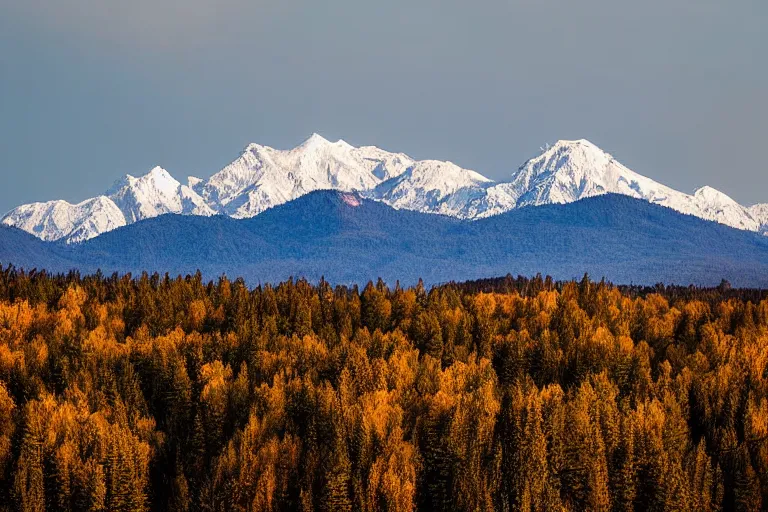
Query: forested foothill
point(158, 393)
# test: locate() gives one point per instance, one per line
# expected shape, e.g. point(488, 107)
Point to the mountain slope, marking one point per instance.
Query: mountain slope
point(19, 247)
point(431, 186)
point(350, 239)
point(714, 205)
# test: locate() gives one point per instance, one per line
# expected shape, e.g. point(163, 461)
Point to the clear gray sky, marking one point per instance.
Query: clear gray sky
point(93, 89)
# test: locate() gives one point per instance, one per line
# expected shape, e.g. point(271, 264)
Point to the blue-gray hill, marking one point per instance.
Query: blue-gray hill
point(349, 239)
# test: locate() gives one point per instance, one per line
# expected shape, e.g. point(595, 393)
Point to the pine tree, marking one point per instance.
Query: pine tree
point(29, 481)
point(746, 489)
point(336, 482)
point(623, 472)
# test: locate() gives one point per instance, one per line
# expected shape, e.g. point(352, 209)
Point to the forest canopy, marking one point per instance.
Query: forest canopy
point(156, 393)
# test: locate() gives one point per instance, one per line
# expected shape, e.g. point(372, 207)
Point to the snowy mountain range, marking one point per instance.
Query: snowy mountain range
point(127, 201)
point(263, 177)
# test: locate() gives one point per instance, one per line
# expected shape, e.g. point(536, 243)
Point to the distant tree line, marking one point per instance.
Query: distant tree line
point(121, 393)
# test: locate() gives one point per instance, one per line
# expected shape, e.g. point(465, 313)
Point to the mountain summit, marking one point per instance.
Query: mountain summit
point(572, 170)
point(262, 177)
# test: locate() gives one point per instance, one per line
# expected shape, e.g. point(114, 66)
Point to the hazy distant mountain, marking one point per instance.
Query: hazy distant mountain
point(263, 177)
point(21, 248)
point(347, 238)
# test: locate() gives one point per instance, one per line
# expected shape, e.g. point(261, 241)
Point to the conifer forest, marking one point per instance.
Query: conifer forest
point(157, 393)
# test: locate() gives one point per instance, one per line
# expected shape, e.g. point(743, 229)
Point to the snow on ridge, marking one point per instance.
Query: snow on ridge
point(262, 177)
point(193, 181)
point(759, 212)
point(54, 220)
point(717, 206)
point(128, 200)
point(433, 186)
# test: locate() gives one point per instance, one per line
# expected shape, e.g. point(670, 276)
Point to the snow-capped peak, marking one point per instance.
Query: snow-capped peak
point(583, 145)
point(158, 172)
point(156, 175)
point(572, 170)
point(313, 140)
point(263, 177)
point(317, 142)
point(715, 205)
point(713, 196)
point(251, 148)
point(152, 194)
point(159, 180)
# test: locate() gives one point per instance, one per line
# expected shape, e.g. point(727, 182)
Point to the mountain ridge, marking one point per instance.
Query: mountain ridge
point(262, 177)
